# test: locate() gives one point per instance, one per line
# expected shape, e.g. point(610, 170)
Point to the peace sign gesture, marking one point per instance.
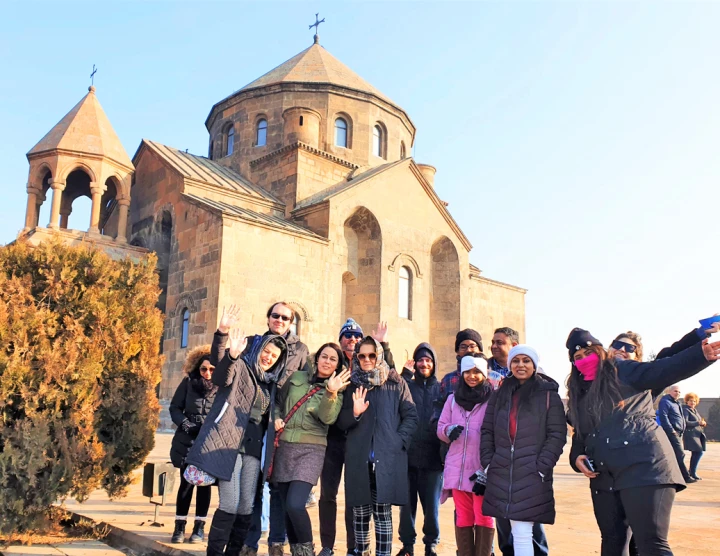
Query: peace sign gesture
point(337, 382)
point(359, 403)
point(229, 318)
point(237, 342)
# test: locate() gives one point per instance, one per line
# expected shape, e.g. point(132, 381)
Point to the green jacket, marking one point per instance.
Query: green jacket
point(310, 423)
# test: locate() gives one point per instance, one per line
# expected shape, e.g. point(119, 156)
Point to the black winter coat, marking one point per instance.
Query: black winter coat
point(222, 434)
point(520, 474)
point(694, 439)
point(192, 402)
point(628, 447)
point(424, 451)
point(386, 427)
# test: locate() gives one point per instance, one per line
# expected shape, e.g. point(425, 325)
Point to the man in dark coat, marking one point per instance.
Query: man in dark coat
point(425, 469)
point(379, 414)
point(672, 420)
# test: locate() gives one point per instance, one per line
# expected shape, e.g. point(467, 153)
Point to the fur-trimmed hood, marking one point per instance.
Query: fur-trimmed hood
point(193, 358)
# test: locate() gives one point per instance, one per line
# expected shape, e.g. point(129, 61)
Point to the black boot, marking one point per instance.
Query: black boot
point(198, 532)
point(220, 530)
point(238, 534)
point(178, 535)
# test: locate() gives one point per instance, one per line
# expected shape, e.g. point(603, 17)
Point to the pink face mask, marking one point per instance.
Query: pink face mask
point(588, 366)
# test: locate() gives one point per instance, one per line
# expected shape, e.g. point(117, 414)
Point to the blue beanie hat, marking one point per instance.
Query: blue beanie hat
point(351, 326)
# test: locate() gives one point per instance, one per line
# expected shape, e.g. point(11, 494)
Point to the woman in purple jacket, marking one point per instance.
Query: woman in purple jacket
point(459, 426)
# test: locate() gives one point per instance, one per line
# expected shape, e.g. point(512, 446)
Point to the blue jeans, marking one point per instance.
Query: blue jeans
point(277, 519)
point(505, 539)
point(426, 485)
point(694, 460)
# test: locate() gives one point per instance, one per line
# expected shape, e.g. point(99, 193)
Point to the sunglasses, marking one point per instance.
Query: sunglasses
point(368, 356)
point(278, 316)
point(207, 369)
point(629, 348)
point(348, 335)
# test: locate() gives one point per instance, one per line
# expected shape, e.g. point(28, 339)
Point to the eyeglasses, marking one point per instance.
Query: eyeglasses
point(465, 347)
point(278, 316)
point(629, 348)
point(348, 335)
point(207, 369)
point(368, 356)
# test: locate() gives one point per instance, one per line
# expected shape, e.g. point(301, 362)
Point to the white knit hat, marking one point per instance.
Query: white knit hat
point(523, 349)
point(469, 362)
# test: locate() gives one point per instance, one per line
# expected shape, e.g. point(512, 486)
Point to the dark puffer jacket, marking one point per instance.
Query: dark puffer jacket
point(191, 401)
point(222, 434)
point(628, 447)
point(424, 451)
point(386, 428)
point(520, 474)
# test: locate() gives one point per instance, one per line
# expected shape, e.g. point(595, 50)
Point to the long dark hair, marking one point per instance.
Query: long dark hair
point(603, 396)
point(338, 350)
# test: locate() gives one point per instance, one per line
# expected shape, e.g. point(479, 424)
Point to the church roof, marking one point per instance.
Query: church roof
point(315, 65)
point(266, 220)
point(86, 130)
point(202, 169)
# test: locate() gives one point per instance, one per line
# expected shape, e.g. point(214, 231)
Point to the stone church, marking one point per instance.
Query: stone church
point(308, 194)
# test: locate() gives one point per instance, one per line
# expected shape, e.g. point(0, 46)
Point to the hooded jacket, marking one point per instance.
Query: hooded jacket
point(190, 401)
point(384, 430)
point(520, 473)
point(424, 451)
point(223, 433)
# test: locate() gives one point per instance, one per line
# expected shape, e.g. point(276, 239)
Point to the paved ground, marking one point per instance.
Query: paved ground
point(75, 548)
point(695, 524)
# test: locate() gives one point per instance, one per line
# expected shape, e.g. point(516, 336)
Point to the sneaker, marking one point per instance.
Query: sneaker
point(326, 551)
point(696, 478)
point(311, 501)
point(691, 480)
point(405, 551)
point(430, 550)
point(248, 551)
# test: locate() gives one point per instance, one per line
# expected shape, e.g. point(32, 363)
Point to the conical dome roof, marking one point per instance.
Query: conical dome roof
point(85, 130)
point(315, 65)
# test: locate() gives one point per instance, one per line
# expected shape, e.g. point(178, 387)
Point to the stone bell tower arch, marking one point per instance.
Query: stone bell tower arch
point(81, 156)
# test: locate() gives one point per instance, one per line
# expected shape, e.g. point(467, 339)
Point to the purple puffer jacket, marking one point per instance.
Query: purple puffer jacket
point(463, 458)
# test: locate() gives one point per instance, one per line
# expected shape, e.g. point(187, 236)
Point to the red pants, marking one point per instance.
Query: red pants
point(468, 510)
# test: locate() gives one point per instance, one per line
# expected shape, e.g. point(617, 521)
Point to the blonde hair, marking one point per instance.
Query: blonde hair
point(636, 339)
point(692, 396)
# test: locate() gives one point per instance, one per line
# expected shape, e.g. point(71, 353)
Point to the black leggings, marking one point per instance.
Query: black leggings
point(645, 509)
point(297, 521)
point(184, 498)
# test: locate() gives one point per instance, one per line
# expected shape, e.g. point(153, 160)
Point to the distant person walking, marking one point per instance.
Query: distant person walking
point(694, 439)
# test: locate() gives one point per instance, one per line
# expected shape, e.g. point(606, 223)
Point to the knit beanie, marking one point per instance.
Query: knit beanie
point(423, 352)
point(351, 326)
point(469, 362)
point(523, 349)
point(468, 334)
point(579, 339)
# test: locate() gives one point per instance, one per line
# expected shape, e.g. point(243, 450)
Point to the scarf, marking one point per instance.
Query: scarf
point(266, 379)
point(202, 386)
point(468, 398)
point(374, 378)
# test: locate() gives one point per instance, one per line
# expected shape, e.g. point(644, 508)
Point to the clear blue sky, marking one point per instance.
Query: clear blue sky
point(577, 143)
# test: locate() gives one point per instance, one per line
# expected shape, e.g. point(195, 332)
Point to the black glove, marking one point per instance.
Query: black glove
point(455, 432)
point(480, 482)
point(188, 426)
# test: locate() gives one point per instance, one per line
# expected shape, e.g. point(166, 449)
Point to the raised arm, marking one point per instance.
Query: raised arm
point(487, 433)
point(661, 373)
point(231, 363)
point(555, 435)
point(346, 419)
point(690, 339)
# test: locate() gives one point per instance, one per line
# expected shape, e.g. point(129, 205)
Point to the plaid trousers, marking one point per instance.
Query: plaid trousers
point(382, 514)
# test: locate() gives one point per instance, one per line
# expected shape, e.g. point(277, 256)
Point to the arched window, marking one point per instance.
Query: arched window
point(295, 327)
point(341, 129)
point(403, 154)
point(261, 133)
point(378, 146)
point(230, 144)
point(404, 293)
point(185, 328)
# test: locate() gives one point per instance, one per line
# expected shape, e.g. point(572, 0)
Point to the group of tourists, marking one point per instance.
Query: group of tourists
point(260, 409)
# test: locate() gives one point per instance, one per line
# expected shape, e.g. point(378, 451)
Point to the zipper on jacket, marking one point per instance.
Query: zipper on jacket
point(512, 455)
point(462, 464)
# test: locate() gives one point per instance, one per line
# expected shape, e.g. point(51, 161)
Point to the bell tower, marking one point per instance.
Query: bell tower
point(81, 156)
